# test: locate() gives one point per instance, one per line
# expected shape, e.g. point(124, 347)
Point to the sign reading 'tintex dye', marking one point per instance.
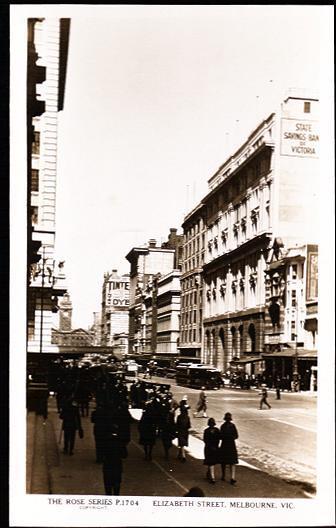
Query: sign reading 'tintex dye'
point(299, 138)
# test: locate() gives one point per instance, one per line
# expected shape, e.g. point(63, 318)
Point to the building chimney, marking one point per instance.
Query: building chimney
point(152, 243)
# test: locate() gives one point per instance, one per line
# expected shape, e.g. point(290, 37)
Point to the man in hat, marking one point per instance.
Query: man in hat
point(71, 423)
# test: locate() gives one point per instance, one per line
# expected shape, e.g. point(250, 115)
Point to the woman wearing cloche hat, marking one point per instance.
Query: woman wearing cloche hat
point(227, 450)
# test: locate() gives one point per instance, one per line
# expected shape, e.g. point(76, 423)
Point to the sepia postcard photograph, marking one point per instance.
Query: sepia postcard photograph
point(172, 265)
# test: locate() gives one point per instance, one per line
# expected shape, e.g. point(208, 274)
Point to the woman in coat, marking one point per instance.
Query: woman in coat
point(228, 451)
point(182, 429)
point(211, 438)
point(168, 431)
point(147, 430)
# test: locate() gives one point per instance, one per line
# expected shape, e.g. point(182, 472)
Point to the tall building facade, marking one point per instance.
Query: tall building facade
point(115, 305)
point(48, 40)
point(263, 195)
point(146, 263)
point(191, 322)
point(162, 304)
point(291, 317)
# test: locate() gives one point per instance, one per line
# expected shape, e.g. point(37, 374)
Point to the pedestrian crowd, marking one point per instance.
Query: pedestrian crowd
point(163, 419)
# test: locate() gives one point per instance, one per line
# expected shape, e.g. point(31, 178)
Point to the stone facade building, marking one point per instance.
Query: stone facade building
point(146, 263)
point(191, 335)
point(48, 40)
point(162, 314)
point(291, 318)
point(115, 305)
point(265, 192)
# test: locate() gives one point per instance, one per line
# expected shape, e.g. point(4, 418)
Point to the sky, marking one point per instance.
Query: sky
point(156, 98)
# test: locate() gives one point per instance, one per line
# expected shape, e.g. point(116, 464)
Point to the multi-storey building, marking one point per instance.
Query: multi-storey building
point(265, 192)
point(46, 70)
point(191, 321)
point(162, 314)
point(115, 305)
point(146, 262)
point(291, 329)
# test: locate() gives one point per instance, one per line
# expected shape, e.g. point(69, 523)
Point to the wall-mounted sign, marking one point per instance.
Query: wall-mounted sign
point(299, 138)
point(118, 297)
point(312, 275)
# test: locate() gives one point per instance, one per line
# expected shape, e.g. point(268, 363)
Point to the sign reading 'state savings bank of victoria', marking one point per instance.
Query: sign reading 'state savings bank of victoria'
point(299, 138)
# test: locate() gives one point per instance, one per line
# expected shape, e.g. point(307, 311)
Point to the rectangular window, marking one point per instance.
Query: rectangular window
point(34, 215)
point(306, 107)
point(34, 180)
point(36, 143)
point(294, 271)
point(294, 298)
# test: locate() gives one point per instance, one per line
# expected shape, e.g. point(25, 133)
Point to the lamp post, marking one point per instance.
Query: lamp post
point(295, 359)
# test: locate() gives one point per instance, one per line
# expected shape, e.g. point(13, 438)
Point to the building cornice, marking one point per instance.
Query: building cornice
point(230, 316)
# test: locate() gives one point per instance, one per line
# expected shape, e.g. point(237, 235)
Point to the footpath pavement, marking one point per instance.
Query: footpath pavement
point(49, 471)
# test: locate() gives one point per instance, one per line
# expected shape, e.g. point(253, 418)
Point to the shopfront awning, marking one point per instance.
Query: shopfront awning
point(302, 353)
point(246, 359)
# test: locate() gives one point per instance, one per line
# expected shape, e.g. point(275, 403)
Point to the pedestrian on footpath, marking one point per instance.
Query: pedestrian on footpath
point(263, 399)
point(211, 439)
point(173, 402)
point(114, 450)
point(201, 404)
point(184, 403)
point(277, 388)
point(71, 423)
point(227, 451)
point(182, 429)
point(98, 418)
point(147, 430)
point(168, 432)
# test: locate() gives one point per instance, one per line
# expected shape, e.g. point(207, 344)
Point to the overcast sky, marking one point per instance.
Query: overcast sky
point(156, 99)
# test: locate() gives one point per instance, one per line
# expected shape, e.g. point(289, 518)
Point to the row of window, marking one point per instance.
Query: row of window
point(190, 336)
point(190, 248)
point(191, 298)
point(190, 317)
point(194, 230)
point(256, 170)
point(193, 263)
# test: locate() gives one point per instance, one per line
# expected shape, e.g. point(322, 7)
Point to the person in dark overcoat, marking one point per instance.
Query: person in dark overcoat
point(182, 430)
point(147, 430)
point(227, 450)
point(71, 423)
point(211, 439)
point(201, 404)
point(168, 431)
point(99, 420)
point(113, 453)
